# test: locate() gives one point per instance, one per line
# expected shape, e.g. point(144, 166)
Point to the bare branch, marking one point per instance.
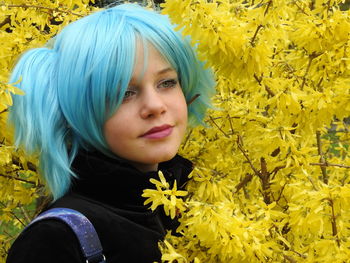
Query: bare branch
point(331, 164)
point(258, 79)
point(322, 159)
point(231, 125)
point(246, 156)
point(299, 254)
point(274, 171)
point(268, 6)
point(263, 174)
point(18, 179)
point(312, 183)
point(8, 234)
point(280, 195)
point(244, 182)
point(290, 259)
point(187, 139)
point(255, 35)
point(302, 10)
point(213, 121)
point(12, 213)
point(25, 214)
point(42, 8)
point(269, 91)
point(265, 179)
point(334, 221)
point(30, 166)
point(311, 58)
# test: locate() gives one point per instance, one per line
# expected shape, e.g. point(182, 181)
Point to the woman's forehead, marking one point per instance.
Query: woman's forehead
point(148, 60)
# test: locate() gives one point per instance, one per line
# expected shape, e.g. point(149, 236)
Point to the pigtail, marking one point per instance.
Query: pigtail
point(40, 127)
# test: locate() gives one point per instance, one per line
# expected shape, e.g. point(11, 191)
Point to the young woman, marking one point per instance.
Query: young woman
point(106, 108)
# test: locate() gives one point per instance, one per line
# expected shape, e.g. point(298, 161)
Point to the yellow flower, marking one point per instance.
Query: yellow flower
point(171, 255)
point(165, 196)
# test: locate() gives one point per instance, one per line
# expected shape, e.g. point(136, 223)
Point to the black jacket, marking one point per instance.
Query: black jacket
point(108, 192)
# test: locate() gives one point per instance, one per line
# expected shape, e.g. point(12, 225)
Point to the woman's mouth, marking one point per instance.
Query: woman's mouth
point(158, 132)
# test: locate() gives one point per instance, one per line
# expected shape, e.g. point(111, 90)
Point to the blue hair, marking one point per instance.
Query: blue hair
point(75, 86)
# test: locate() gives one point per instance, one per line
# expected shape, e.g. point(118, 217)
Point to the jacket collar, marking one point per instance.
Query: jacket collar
point(117, 183)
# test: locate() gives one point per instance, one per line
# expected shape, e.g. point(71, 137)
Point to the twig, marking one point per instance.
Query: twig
point(41, 203)
point(328, 6)
point(8, 239)
point(312, 183)
point(269, 91)
point(311, 58)
point(244, 182)
point(246, 156)
point(265, 178)
point(322, 159)
point(186, 139)
point(8, 234)
point(267, 8)
point(263, 174)
point(346, 176)
point(25, 214)
point(274, 171)
point(302, 10)
point(219, 127)
point(280, 195)
point(331, 164)
point(289, 258)
point(18, 179)
point(42, 7)
point(11, 212)
point(255, 34)
point(7, 20)
point(334, 221)
point(263, 165)
point(30, 166)
point(306, 72)
point(299, 254)
point(231, 126)
point(258, 79)
point(319, 83)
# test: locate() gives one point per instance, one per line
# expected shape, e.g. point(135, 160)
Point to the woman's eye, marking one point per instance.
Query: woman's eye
point(128, 94)
point(168, 83)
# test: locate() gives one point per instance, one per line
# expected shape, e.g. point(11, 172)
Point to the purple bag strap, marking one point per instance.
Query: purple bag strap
point(83, 229)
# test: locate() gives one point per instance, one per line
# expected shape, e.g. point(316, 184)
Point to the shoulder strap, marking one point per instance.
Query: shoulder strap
point(83, 229)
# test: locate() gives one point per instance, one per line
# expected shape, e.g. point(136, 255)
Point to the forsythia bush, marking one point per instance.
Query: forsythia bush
point(271, 178)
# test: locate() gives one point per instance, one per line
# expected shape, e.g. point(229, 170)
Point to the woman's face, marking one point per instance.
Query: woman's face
point(149, 125)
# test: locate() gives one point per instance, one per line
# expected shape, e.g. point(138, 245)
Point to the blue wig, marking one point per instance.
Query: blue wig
point(75, 86)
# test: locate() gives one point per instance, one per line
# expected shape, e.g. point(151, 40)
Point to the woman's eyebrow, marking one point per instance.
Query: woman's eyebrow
point(165, 70)
point(160, 72)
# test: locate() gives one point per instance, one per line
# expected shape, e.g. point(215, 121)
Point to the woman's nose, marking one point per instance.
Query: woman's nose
point(153, 104)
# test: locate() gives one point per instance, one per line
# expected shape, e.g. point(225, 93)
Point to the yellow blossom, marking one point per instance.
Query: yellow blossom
point(165, 196)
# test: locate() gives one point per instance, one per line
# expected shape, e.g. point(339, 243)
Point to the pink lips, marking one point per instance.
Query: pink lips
point(158, 132)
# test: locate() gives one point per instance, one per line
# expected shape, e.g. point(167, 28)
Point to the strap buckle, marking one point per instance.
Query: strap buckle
point(96, 259)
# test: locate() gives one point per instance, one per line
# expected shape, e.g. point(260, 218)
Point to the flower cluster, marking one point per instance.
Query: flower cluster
point(271, 182)
point(169, 198)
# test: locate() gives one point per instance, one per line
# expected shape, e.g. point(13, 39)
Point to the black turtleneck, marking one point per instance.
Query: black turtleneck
point(119, 184)
point(108, 192)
